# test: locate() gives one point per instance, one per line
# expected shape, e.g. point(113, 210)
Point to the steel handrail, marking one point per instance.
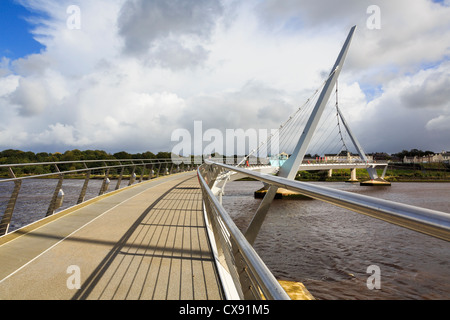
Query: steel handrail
point(43, 175)
point(268, 284)
point(58, 194)
point(148, 161)
point(430, 222)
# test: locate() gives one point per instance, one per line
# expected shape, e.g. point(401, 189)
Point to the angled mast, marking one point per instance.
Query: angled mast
point(290, 167)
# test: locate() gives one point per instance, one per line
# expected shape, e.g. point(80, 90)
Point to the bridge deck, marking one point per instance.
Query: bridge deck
point(145, 242)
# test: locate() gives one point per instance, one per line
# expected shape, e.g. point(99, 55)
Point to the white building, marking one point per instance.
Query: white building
point(444, 157)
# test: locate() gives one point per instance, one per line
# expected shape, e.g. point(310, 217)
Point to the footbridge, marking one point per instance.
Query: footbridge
point(156, 229)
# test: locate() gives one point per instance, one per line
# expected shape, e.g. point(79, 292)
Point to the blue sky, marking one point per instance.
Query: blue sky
point(227, 63)
point(16, 39)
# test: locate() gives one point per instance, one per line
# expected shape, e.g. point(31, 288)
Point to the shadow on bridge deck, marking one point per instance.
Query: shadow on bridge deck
point(145, 242)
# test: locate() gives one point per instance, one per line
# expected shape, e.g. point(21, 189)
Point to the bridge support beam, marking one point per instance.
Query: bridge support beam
point(290, 167)
point(353, 177)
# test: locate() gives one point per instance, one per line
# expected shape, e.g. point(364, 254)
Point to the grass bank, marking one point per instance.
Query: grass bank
point(394, 173)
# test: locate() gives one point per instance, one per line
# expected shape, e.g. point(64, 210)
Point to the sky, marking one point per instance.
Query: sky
point(122, 75)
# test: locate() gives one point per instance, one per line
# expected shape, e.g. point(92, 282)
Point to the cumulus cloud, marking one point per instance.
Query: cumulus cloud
point(429, 90)
point(136, 70)
point(168, 32)
point(31, 97)
point(441, 123)
point(408, 114)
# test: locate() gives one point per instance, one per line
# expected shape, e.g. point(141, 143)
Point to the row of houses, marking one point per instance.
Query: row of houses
point(443, 157)
point(346, 157)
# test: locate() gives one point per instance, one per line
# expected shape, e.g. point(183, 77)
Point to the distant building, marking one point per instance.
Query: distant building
point(283, 156)
point(279, 159)
point(443, 157)
point(345, 157)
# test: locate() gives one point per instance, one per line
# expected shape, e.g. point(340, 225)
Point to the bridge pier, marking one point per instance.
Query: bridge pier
point(281, 194)
point(353, 177)
point(376, 182)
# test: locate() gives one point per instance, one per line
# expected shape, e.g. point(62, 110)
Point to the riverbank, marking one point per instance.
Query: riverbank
point(392, 175)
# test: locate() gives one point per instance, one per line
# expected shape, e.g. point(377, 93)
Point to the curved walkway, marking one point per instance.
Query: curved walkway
point(148, 241)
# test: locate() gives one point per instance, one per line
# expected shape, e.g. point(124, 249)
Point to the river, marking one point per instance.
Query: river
point(329, 249)
point(325, 247)
point(35, 196)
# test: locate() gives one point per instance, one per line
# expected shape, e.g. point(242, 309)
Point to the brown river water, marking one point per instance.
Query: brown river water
point(325, 247)
point(329, 249)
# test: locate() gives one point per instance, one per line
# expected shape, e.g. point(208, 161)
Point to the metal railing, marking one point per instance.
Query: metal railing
point(100, 169)
point(430, 222)
point(251, 277)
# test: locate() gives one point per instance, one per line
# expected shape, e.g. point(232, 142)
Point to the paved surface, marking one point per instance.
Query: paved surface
point(145, 242)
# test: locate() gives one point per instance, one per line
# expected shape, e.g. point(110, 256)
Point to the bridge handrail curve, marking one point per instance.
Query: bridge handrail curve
point(249, 273)
point(134, 162)
point(58, 194)
point(27, 164)
point(430, 222)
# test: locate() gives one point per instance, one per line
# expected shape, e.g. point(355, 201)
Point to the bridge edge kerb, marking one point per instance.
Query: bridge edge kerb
point(46, 220)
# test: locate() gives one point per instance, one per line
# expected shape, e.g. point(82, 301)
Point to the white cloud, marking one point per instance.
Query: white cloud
point(441, 123)
point(409, 114)
point(137, 70)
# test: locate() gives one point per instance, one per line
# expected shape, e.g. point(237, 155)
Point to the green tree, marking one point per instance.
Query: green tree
point(122, 155)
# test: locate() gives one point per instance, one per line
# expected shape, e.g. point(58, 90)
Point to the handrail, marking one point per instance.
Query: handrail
point(248, 271)
point(26, 164)
point(430, 222)
point(105, 168)
point(144, 162)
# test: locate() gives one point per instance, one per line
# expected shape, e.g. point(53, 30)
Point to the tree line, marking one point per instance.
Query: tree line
point(16, 156)
point(413, 153)
point(19, 157)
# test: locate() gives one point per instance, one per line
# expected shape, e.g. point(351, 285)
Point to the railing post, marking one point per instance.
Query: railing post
point(151, 172)
point(120, 178)
point(132, 176)
point(142, 172)
point(105, 183)
point(84, 188)
point(159, 170)
point(7, 216)
point(53, 204)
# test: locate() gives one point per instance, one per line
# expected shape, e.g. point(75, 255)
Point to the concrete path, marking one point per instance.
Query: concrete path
point(148, 241)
